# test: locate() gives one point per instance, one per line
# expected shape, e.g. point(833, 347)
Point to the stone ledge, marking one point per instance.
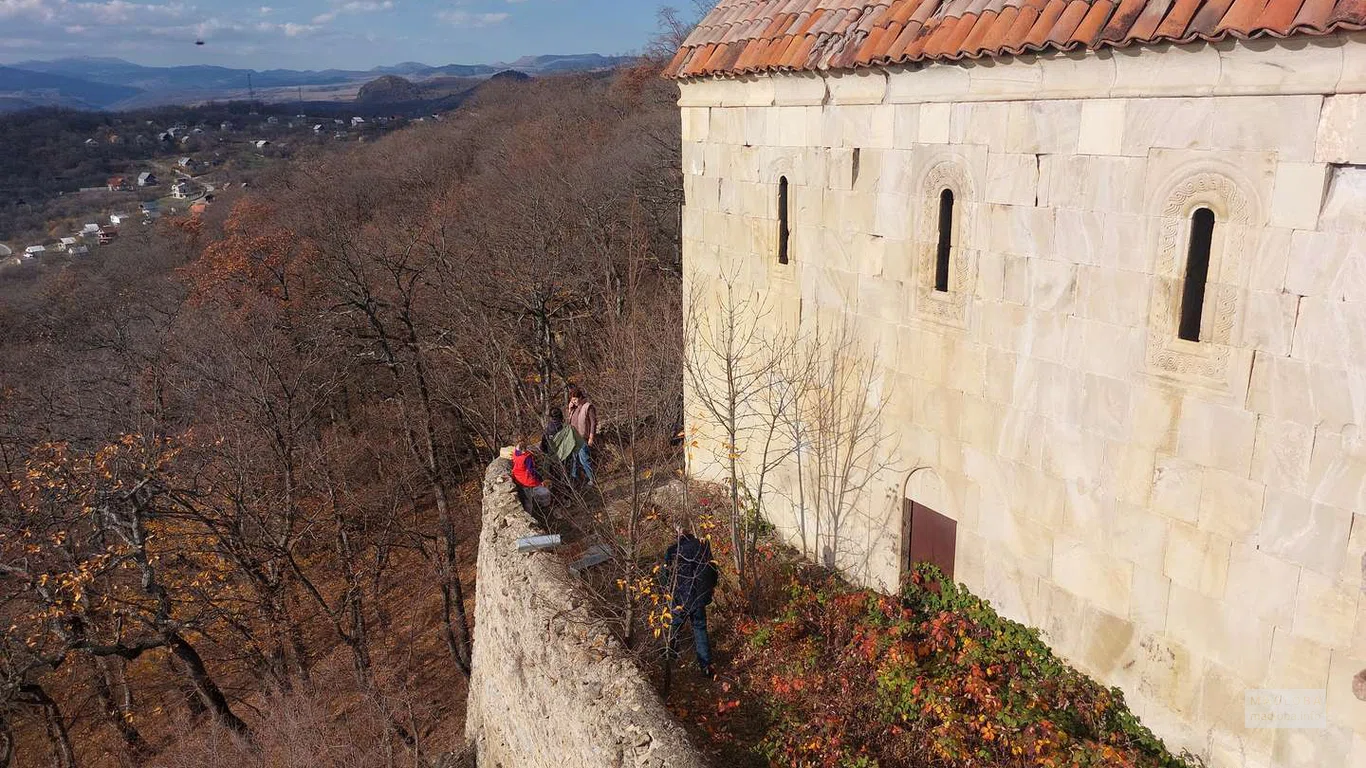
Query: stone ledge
point(552, 686)
point(1300, 65)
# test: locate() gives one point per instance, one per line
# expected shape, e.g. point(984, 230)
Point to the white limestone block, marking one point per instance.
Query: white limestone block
point(696, 124)
point(1297, 663)
point(1076, 74)
point(1044, 127)
point(1267, 323)
point(1012, 179)
point(1311, 747)
point(1177, 488)
point(1113, 296)
point(1311, 535)
point(859, 86)
point(984, 123)
point(791, 89)
point(1241, 125)
point(1183, 70)
point(1281, 458)
point(1093, 576)
point(1079, 235)
point(934, 123)
point(1129, 467)
point(905, 125)
point(1220, 631)
point(1298, 195)
point(1106, 406)
point(1222, 710)
point(990, 277)
point(1020, 230)
point(1302, 65)
point(1217, 436)
point(1341, 136)
point(1151, 595)
point(1003, 79)
point(1330, 333)
point(1156, 419)
point(1167, 123)
point(1103, 348)
point(886, 300)
point(1126, 244)
point(1097, 183)
point(1102, 126)
point(1261, 584)
point(1231, 505)
point(1197, 559)
point(1281, 387)
point(946, 82)
point(1071, 453)
point(1342, 209)
point(1324, 613)
point(1344, 708)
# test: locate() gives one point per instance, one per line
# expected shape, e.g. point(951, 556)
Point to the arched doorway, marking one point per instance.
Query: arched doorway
point(928, 535)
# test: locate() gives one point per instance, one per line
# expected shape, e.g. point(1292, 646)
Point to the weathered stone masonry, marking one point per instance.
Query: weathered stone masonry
point(1183, 519)
point(552, 687)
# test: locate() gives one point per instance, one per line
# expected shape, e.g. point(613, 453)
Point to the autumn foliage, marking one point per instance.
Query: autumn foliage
point(849, 677)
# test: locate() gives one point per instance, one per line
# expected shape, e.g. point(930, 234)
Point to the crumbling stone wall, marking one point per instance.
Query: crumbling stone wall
point(552, 686)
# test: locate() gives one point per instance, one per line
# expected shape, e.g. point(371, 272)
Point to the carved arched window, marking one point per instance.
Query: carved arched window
point(1197, 273)
point(783, 231)
point(946, 264)
point(945, 247)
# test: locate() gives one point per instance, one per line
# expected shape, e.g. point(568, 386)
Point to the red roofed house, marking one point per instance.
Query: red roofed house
point(119, 184)
point(1103, 270)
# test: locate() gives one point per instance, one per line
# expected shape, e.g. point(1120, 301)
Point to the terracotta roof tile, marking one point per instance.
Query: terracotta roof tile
point(741, 36)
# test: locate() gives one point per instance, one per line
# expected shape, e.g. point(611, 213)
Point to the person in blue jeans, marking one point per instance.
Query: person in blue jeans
point(583, 417)
point(690, 577)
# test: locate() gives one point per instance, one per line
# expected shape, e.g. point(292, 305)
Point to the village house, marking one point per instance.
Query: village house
point(90, 229)
point(147, 179)
point(67, 243)
point(180, 190)
point(35, 250)
point(117, 219)
point(1106, 263)
point(118, 184)
point(107, 235)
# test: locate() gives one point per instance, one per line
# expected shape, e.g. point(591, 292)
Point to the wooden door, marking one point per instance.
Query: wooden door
point(927, 537)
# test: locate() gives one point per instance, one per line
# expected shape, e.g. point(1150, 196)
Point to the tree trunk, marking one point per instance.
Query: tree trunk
point(55, 724)
point(114, 712)
point(209, 693)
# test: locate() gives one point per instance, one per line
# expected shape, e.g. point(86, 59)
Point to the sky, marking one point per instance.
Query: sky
point(322, 34)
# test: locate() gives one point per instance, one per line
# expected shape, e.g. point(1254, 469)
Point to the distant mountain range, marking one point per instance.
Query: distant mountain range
point(115, 84)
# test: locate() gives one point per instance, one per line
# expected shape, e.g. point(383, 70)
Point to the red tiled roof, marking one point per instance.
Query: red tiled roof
point(770, 35)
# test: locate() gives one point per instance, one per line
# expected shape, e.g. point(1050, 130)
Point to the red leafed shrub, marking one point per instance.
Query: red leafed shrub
point(853, 679)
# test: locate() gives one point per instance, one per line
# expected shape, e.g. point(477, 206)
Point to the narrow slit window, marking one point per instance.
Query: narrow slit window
point(1197, 273)
point(783, 230)
point(941, 261)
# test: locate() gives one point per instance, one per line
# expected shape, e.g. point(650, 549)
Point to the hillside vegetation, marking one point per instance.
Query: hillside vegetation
point(238, 526)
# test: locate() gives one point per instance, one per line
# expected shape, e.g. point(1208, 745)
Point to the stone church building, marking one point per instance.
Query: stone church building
point(1108, 262)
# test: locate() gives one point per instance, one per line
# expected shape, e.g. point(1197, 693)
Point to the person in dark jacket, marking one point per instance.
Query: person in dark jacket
point(690, 577)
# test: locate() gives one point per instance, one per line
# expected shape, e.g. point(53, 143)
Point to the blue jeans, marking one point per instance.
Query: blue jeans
point(581, 460)
point(702, 643)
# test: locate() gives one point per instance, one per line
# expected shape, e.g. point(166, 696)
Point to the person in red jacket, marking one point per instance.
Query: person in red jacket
point(527, 478)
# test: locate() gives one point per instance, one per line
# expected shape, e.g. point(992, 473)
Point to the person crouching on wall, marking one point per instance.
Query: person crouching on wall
point(529, 482)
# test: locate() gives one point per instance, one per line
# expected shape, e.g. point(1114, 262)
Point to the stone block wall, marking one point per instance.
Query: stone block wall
point(1186, 520)
point(552, 688)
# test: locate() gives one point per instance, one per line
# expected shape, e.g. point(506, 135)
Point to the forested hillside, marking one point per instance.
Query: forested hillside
point(238, 524)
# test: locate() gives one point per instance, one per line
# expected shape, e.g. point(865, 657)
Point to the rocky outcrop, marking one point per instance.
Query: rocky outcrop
point(552, 686)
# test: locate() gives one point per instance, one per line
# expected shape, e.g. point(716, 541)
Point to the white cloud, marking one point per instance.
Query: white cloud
point(353, 7)
point(41, 10)
point(471, 20)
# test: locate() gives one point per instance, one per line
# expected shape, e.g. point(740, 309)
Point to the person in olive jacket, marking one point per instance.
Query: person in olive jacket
point(690, 577)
